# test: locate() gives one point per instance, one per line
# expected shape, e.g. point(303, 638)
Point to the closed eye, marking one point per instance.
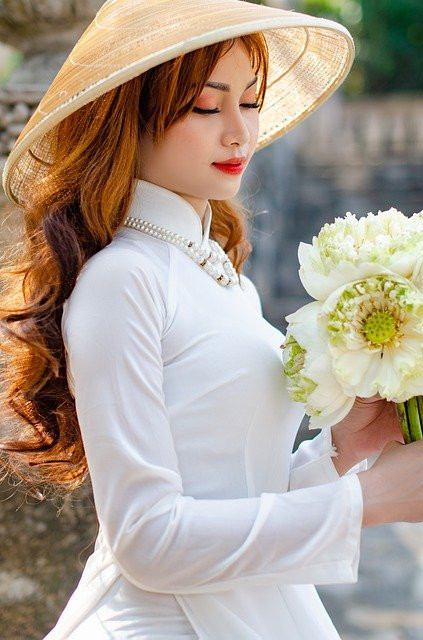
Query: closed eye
point(253, 105)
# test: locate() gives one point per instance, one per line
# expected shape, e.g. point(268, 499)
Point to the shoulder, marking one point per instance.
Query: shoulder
point(126, 255)
point(127, 260)
point(122, 276)
point(251, 291)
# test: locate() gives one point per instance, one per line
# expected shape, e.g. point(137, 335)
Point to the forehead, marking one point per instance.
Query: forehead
point(225, 78)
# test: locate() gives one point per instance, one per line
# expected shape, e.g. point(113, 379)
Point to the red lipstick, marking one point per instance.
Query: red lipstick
point(232, 165)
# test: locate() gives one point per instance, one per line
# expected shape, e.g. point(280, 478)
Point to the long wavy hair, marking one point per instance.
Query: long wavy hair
point(83, 202)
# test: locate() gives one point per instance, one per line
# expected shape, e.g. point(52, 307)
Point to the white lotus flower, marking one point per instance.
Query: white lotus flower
point(351, 249)
point(308, 368)
point(374, 331)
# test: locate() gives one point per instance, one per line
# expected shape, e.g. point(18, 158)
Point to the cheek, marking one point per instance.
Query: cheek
point(254, 127)
point(191, 137)
point(254, 134)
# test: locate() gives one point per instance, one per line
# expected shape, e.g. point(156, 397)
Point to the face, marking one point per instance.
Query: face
point(183, 161)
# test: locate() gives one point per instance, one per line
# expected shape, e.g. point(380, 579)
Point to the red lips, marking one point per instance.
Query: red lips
point(230, 167)
point(239, 160)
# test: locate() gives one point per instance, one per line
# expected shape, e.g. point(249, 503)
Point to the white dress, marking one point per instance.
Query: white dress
point(210, 528)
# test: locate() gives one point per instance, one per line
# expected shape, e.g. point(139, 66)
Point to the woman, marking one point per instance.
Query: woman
point(209, 527)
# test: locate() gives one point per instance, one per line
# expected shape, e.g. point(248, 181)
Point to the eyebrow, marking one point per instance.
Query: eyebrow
point(226, 87)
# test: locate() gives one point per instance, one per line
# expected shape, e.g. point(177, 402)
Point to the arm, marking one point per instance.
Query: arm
point(162, 539)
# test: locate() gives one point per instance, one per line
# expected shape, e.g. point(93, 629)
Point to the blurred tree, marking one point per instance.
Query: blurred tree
point(389, 39)
point(10, 60)
point(391, 35)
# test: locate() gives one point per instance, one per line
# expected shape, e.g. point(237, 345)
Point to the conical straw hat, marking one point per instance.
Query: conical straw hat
point(309, 58)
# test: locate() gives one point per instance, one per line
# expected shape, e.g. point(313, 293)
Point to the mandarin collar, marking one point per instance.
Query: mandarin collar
point(161, 206)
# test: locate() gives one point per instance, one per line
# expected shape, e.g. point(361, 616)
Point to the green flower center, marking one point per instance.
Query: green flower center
point(373, 311)
point(379, 327)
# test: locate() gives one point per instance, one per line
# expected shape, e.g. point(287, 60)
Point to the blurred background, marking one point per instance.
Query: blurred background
point(361, 151)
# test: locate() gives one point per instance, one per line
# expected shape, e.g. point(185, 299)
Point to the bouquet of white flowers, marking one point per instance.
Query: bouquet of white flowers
point(363, 334)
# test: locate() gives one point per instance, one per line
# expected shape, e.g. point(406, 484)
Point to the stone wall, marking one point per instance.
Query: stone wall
point(16, 107)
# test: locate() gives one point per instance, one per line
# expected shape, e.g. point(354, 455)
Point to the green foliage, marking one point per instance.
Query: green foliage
point(389, 37)
point(13, 60)
point(392, 39)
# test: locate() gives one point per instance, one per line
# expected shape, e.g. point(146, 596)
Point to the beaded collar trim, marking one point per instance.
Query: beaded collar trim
point(214, 261)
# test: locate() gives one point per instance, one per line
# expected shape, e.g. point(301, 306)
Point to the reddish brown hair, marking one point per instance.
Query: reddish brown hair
point(84, 201)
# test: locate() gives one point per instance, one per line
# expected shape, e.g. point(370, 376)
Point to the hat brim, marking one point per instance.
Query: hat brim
point(309, 58)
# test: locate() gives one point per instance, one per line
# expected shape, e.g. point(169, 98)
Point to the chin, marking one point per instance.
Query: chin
point(224, 194)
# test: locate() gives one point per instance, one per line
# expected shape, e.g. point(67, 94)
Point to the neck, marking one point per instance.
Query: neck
point(171, 210)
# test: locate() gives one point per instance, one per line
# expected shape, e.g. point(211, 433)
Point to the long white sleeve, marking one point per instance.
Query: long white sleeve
point(162, 539)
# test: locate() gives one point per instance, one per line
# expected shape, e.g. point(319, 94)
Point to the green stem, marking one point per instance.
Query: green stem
point(414, 425)
point(403, 420)
point(420, 405)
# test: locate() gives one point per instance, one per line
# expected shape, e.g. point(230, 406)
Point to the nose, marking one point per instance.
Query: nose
point(236, 129)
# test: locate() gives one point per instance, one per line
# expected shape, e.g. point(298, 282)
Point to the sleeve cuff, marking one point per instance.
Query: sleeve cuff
point(353, 539)
point(349, 569)
point(312, 463)
point(341, 566)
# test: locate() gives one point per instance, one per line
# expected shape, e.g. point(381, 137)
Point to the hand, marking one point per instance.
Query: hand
point(393, 486)
point(369, 426)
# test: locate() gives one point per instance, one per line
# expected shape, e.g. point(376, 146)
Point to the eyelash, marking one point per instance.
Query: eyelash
point(253, 105)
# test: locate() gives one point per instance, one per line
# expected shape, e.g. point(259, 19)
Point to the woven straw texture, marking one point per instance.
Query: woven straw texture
point(308, 59)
